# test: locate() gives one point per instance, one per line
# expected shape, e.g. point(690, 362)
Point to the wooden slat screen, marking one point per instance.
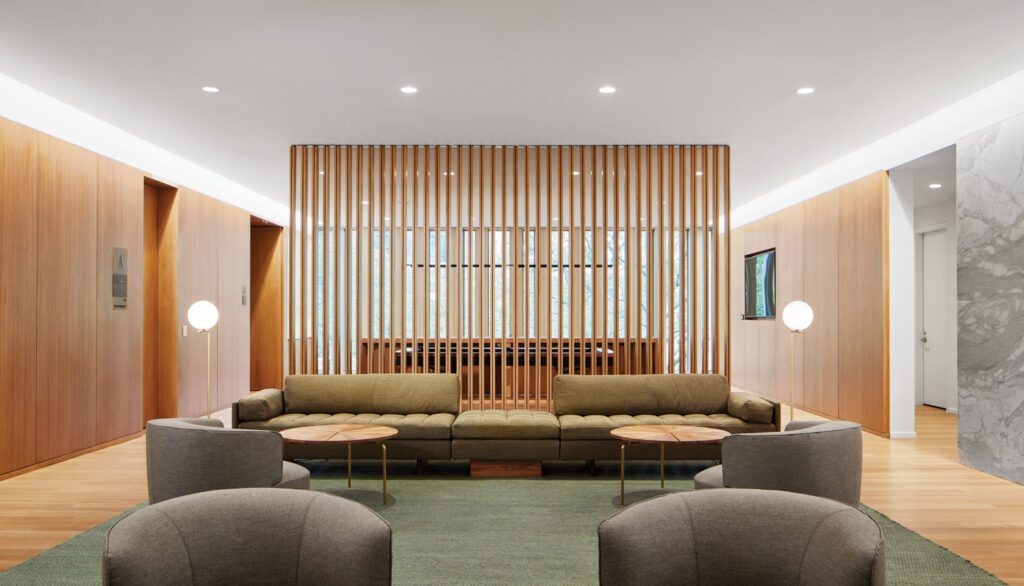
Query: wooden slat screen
point(509, 264)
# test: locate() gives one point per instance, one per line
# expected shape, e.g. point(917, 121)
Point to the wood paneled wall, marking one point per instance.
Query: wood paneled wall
point(66, 299)
point(584, 247)
point(19, 208)
point(213, 264)
point(119, 332)
point(832, 252)
point(71, 364)
point(234, 298)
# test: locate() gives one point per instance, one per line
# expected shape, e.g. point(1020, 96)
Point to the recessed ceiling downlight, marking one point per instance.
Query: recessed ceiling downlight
point(805, 91)
point(210, 89)
point(408, 89)
point(934, 186)
point(606, 89)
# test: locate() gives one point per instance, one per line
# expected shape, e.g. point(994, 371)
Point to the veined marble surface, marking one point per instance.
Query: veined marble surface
point(990, 299)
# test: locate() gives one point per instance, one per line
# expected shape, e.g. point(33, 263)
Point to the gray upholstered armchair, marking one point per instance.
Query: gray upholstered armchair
point(740, 537)
point(248, 536)
point(820, 458)
point(184, 456)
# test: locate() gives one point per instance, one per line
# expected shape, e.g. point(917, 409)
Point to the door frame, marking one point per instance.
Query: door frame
point(951, 308)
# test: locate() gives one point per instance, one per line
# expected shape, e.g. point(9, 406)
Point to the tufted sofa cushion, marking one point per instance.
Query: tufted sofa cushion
point(372, 393)
point(598, 427)
point(636, 394)
point(499, 424)
point(414, 426)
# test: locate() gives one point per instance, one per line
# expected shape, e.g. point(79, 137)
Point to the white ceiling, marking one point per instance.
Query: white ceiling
point(523, 72)
point(938, 167)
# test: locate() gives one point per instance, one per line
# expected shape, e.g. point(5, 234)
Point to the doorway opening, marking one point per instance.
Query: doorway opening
point(266, 317)
point(931, 183)
point(160, 345)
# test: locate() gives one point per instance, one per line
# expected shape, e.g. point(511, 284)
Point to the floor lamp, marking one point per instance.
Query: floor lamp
point(203, 316)
point(797, 316)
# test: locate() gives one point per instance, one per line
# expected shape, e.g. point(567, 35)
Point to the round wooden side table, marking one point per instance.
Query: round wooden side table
point(660, 435)
point(346, 434)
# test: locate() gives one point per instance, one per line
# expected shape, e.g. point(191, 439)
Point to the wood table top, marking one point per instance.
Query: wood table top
point(342, 433)
point(668, 434)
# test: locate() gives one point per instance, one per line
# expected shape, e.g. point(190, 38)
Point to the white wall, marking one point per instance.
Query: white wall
point(902, 306)
point(940, 213)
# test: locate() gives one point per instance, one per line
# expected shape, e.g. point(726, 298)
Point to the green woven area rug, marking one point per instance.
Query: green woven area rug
point(452, 529)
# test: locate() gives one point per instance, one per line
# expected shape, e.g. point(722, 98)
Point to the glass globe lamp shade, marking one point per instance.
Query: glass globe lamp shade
point(203, 315)
point(797, 316)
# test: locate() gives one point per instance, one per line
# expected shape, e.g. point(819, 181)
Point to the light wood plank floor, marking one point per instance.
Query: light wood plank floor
point(918, 483)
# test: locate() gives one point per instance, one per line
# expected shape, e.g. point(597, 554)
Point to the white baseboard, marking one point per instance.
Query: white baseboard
point(903, 435)
point(952, 410)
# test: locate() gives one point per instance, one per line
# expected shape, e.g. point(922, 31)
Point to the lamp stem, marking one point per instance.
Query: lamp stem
point(208, 369)
point(792, 369)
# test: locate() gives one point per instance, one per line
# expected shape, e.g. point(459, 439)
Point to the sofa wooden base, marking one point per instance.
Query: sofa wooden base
point(505, 469)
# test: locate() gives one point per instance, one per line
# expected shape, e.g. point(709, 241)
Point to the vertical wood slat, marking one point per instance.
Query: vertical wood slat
point(705, 274)
point(459, 298)
point(414, 175)
point(313, 258)
point(549, 196)
point(594, 261)
point(538, 390)
point(303, 304)
point(323, 157)
point(359, 237)
point(671, 213)
point(534, 249)
point(492, 351)
point(514, 261)
point(648, 233)
point(387, 352)
point(619, 358)
point(437, 261)
point(403, 221)
point(293, 152)
point(448, 260)
point(628, 284)
point(336, 198)
point(727, 254)
point(377, 227)
point(504, 277)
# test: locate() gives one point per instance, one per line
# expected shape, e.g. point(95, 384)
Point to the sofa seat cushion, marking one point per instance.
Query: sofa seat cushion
point(599, 427)
point(500, 424)
point(416, 426)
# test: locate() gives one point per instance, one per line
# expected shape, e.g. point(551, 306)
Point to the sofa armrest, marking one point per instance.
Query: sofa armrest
point(751, 408)
point(261, 405)
point(804, 424)
point(203, 421)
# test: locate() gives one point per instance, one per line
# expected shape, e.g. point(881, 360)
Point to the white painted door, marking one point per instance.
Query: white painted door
point(935, 319)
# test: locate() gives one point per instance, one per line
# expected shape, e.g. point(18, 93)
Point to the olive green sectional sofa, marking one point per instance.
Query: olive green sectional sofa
point(425, 410)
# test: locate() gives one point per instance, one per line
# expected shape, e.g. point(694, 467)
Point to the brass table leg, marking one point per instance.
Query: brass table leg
point(384, 469)
point(349, 465)
point(622, 475)
point(663, 465)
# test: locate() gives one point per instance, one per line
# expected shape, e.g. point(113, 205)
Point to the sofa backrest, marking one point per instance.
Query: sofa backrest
point(400, 394)
point(640, 394)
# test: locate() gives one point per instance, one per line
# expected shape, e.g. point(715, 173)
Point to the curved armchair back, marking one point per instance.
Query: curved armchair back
point(740, 537)
point(821, 459)
point(248, 536)
point(184, 456)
